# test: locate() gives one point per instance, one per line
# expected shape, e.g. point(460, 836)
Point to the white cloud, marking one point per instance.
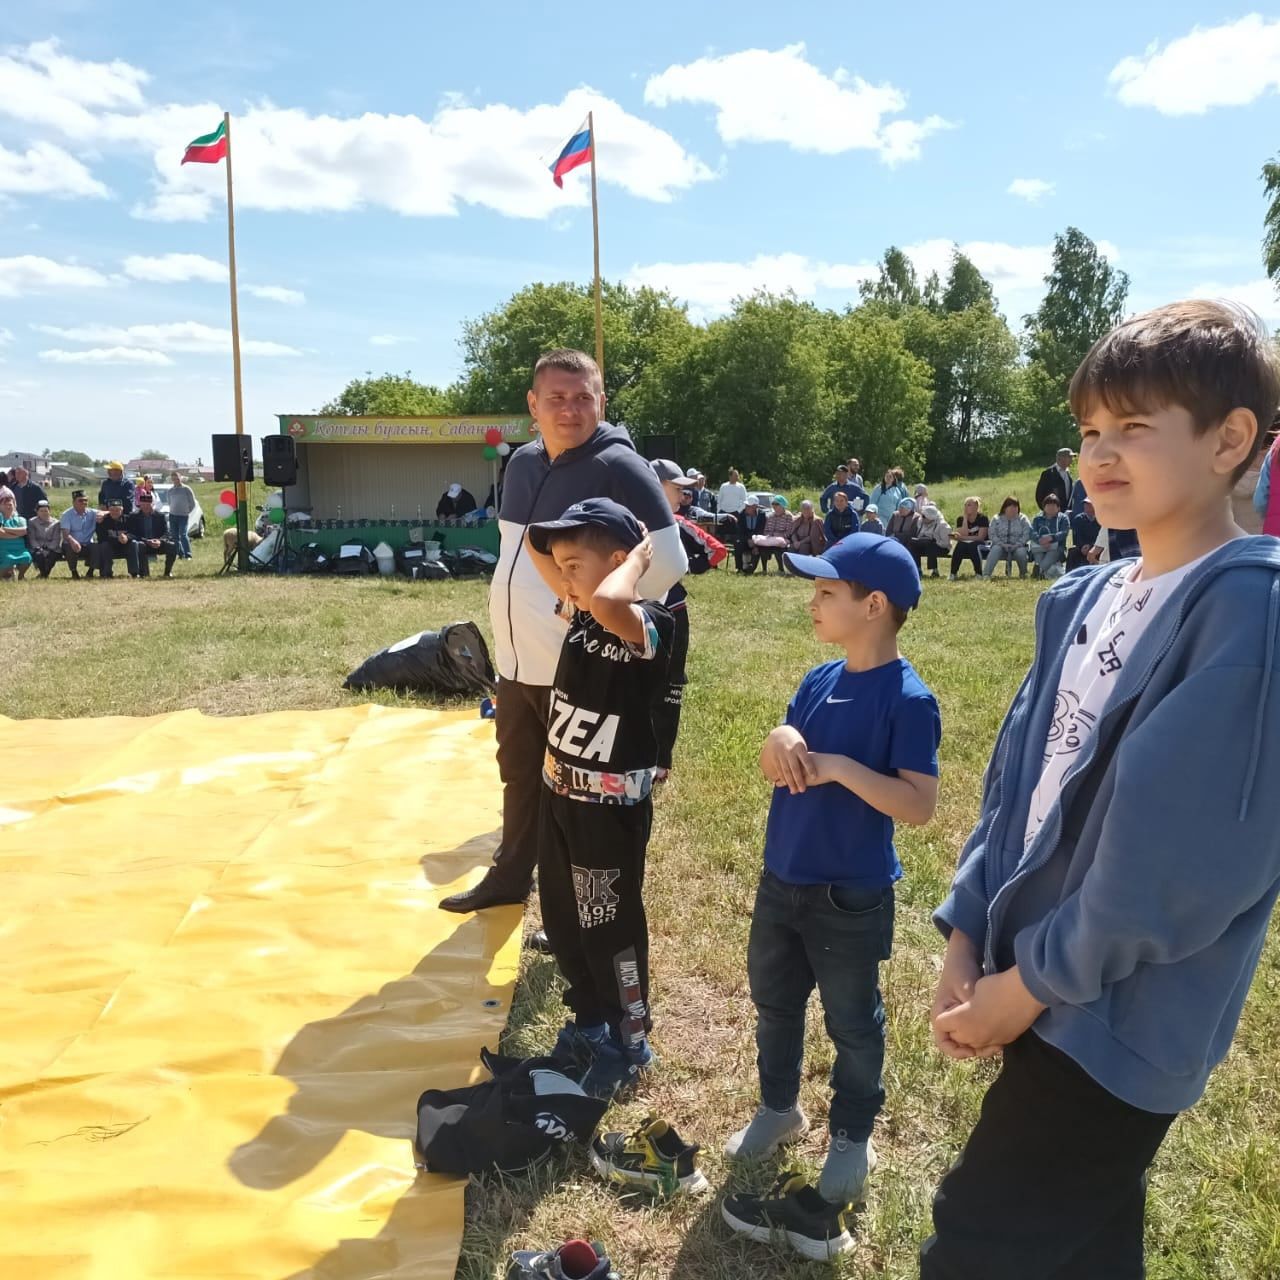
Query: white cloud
point(764, 95)
point(185, 335)
point(175, 268)
point(137, 391)
point(31, 274)
point(1032, 190)
point(1225, 66)
point(276, 293)
point(1258, 295)
point(388, 339)
point(6, 335)
point(494, 155)
point(46, 170)
point(106, 355)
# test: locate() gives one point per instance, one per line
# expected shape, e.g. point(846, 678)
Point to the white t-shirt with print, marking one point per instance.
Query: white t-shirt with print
point(1097, 656)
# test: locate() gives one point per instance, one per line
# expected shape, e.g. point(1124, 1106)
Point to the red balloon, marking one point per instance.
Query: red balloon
point(228, 496)
point(493, 436)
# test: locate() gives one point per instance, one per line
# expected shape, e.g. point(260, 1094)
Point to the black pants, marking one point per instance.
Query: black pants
point(590, 881)
point(745, 557)
point(1052, 1182)
point(45, 560)
point(522, 742)
point(970, 551)
point(926, 549)
point(88, 553)
point(1076, 558)
point(142, 556)
point(666, 707)
point(106, 555)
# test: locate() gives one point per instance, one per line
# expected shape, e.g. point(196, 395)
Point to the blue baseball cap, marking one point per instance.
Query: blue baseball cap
point(877, 563)
point(604, 513)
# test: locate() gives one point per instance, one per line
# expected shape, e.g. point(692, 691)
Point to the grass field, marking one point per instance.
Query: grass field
point(234, 646)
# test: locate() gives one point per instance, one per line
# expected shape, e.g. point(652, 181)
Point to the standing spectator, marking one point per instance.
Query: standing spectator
point(855, 472)
point(576, 456)
point(842, 519)
point(843, 484)
point(777, 529)
point(888, 493)
point(904, 524)
point(1266, 496)
point(116, 486)
point(750, 525)
point(44, 539)
point(182, 505)
point(79, 523)
point(26, 493)
point(113, 541)
point(1049, 532)
point(1078, 495)
point(972, 530)
point(920, 493)
point(149, 536)
point(1010, 533)
point(807, 537)
point(1056, 479)
point(733, 497)
point(455, 503)
point(1086, 533)
point(143, 485)
point(871, 522)
point(14, 556)
point(933, 540)
point(703, 498)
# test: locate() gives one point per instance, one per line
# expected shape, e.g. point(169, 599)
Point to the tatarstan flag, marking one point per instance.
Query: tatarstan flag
point(209, 148)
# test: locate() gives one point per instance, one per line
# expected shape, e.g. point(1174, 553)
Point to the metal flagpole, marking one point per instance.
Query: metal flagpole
point(242, 492)
point(595, 237)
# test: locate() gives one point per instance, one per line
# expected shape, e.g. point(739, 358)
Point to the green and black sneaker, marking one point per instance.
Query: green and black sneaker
point(792, 1211)
point(654, 1157)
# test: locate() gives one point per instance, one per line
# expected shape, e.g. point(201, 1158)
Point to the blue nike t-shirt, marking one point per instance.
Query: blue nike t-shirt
point(884, 718)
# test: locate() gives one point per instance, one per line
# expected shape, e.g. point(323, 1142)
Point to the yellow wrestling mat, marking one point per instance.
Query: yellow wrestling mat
point(224, 981)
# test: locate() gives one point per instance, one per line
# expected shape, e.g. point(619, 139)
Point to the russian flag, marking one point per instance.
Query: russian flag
point(576, 151)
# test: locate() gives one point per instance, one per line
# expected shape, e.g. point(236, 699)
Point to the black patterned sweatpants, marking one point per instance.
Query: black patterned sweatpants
point(590, 884)
point(670, 699)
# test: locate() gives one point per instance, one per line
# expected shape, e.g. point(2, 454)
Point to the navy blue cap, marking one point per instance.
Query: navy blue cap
point(877, 563)
point(604, 513)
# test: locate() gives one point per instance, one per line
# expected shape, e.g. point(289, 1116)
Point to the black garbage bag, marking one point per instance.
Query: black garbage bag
point(516, 1119)
point(354, 558)
point(470, 562)
point(454, 659)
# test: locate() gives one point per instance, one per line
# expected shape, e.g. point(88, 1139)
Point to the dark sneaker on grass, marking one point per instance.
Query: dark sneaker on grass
point(654, 1158)
point(794, 1212)
point(573, 1260)
point(614, 1071)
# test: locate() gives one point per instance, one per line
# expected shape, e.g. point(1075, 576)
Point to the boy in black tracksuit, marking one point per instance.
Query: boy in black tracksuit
point(599, 768)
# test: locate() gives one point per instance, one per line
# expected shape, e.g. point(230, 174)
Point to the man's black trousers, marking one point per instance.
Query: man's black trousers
point(590, 881)
point(1052, 1183)
point(522, 743)
point(666, 707)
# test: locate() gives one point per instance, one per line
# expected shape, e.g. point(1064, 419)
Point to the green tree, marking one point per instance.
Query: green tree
point(1271, 220)
point(896, 283)
point(392, 395)
point(500, 349)
point(73, 457)
point(158, 455)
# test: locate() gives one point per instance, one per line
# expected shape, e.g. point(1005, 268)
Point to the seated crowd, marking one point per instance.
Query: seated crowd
point(1063, 535)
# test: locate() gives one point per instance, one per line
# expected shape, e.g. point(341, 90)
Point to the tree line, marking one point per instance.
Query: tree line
point(926, 375)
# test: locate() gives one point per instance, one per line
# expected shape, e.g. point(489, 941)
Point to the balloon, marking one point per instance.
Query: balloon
point(275, 515)
point(490, 452)
point(228, 496)
point(229, 521)
point(493, 436)
point(274, 500)
point(503, 449)
point(223, 510)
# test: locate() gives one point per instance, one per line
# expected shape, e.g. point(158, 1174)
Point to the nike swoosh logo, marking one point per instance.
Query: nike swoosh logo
point(831, 699)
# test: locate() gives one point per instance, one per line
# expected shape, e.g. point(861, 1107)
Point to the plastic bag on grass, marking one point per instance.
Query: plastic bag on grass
point(454, 660)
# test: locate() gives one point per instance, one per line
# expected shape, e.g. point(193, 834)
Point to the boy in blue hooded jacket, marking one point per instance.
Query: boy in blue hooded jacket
point(1110, 906)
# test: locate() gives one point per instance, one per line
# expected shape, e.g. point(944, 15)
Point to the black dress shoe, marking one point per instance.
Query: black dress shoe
point(539, 942)
point(490, 892)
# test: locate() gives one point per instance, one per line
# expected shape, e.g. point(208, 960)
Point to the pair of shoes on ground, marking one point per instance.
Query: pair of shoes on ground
point(573, 1260)
point(653, 1157)
point(845, 1170)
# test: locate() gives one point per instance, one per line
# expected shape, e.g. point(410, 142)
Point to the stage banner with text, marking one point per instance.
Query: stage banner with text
point(443, 429)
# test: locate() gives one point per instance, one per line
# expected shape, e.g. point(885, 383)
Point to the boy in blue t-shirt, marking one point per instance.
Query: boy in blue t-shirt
point(858, 750)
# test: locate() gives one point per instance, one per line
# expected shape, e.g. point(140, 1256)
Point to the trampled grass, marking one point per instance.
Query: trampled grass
point(230, 645)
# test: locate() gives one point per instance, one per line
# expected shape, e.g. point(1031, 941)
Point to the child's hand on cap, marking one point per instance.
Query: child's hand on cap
point(643, 550)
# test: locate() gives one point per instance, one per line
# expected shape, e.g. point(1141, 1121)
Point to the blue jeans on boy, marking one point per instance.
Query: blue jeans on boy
point(178, 533)
point(833, 938)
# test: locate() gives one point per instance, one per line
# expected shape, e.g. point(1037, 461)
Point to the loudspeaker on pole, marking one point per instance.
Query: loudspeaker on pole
point(279, 461)
point(232, 457)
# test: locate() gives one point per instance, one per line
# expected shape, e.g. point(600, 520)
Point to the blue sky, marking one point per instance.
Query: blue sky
point(391, 180)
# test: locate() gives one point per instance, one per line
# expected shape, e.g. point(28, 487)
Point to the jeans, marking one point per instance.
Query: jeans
point(998, 553)
point(834, 938)
point(1046, 557)
point(178, 535)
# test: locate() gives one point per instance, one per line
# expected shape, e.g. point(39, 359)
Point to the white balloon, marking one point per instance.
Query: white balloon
point(222, 511)
point(273, 501)
point(503, 449)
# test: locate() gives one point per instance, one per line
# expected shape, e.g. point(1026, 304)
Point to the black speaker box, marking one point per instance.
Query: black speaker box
point(279, 460)
point(233, 457)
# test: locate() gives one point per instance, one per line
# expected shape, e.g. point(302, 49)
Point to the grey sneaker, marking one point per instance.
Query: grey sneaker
point(847, 1167)
point(767, 1131)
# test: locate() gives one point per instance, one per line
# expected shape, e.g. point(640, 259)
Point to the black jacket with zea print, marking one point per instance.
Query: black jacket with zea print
point(601, 744)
